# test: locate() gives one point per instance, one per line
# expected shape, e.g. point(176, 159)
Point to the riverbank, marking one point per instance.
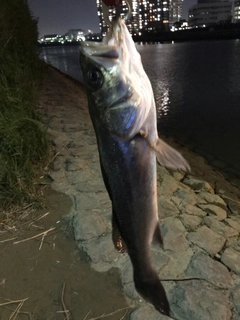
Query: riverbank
point(199, 215)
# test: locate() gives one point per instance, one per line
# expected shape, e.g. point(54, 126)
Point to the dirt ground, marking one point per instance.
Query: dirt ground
point(33, 272)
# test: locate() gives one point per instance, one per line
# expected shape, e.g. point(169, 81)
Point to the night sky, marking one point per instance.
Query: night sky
point(58, 16)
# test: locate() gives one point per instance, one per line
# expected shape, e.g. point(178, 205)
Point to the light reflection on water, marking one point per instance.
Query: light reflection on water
point(201, 83)
point(196, 88)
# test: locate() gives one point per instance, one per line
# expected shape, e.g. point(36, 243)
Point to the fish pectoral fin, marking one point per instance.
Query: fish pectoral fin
point(170, 157)
point(157, 236)
point(167, 156)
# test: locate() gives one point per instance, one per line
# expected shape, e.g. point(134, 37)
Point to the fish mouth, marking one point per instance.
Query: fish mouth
point(121, 101)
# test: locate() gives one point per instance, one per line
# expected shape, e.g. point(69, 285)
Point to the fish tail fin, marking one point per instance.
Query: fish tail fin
point(157, 236)
point(170, 157)
point(151, 289)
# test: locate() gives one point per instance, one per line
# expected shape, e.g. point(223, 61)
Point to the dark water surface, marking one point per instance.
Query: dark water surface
point(196, 87)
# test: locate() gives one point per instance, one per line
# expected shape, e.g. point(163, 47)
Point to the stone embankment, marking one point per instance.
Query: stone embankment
point(199, 213)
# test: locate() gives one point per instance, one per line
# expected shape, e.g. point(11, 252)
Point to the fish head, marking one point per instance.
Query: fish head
point(112, 99)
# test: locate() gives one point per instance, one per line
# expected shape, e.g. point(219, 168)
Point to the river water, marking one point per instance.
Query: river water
point(197, 92)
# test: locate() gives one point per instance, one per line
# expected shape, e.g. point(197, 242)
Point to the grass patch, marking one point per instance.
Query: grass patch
point(23, 143)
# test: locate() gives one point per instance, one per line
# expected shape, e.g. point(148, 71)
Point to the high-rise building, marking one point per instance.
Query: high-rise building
point(147, 15)
point(209, 12)
point(175, 11)
point(133, 25)
point(236, 11)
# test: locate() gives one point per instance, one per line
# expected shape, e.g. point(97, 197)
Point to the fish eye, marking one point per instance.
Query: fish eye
point(95, 78)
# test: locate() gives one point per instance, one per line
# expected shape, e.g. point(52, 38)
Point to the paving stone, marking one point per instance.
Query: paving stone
point(58, 164)
point(167, 185)
point(234, 244)
point(233, 205)
point(231, 259)
point(166, 208)
point(147, 312)
point(194, 300)
point(178, 175)
point(88, 226)
point(203, 267)
point(193, 210)
point(84, 151)
point(100, 249)
point(74, 164)
point(207, 239)
point(220, 227)
point(58, 175)
point(72, 127)
point(174, 266)
point(174, 236)
point(198, 185)
point(213, 199)
point(236, 298)
point(91, 201)
point(186, 196)
point(220, 213)
point(190, 222)
point(234, 222)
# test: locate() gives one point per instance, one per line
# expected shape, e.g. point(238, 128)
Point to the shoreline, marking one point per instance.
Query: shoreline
point(198, 212)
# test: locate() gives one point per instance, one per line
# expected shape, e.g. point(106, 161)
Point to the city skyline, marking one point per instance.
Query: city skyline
point(58, 16)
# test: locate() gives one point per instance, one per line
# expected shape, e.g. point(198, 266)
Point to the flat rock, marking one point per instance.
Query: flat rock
point(88, 226)
point(58, 175)
point(220, 227)
point(173, 267)
point(186, 197)
point(85, 201)
point(147, 312)
point(213, 199)
point(167, 184)
point(231, 259)
point(197, 185)
point(174, 236)
point(220, 213)
point(233, 205)
point(234, 244)
point(207, 239)
point(236, 298)
point(197, 301)
point(234, 224)
point(100, 249)
point(203, 267)
point(190, 222)
point(166, 208)
point(178, 175)
point(193, 210)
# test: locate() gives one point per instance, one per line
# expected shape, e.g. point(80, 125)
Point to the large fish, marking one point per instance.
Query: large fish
point(123, 113)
